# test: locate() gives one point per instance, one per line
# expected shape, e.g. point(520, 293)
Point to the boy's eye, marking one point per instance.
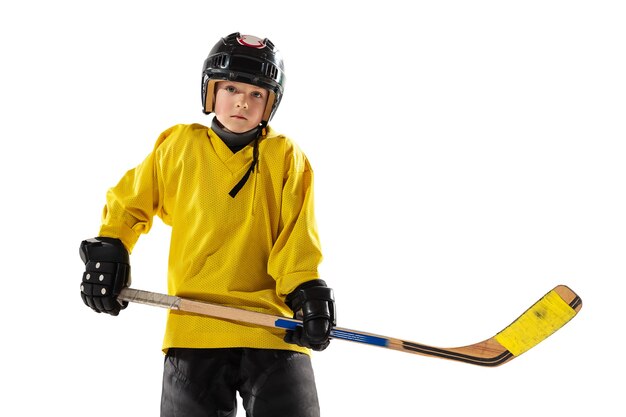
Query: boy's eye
point(257, 94)
point(230, 89)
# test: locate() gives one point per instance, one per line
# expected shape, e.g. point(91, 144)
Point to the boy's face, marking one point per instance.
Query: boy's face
point(239, 106)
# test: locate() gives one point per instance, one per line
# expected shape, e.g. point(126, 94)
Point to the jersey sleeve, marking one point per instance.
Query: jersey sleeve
point(137, 197)
point(296, 253)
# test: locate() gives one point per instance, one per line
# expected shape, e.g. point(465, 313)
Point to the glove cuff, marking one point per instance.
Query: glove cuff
point(297, 297)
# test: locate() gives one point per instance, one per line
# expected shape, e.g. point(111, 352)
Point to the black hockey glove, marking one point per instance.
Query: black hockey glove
point(314, 304)
point(107, 271)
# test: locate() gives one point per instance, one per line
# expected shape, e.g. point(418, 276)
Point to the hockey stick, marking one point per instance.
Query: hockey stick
point(545, 317)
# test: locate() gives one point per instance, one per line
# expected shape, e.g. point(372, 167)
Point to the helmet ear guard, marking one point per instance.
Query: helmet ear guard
point(247, 59)
point(208, 93)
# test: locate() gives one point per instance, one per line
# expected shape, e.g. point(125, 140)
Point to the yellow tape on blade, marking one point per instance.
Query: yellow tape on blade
point(545, 317)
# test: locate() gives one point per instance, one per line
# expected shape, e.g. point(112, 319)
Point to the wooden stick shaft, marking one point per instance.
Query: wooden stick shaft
point(238, 314)
point(206, 309)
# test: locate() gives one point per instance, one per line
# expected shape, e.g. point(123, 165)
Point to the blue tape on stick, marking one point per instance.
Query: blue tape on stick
point(358, 337)
point(285, 324)
point(339, 334)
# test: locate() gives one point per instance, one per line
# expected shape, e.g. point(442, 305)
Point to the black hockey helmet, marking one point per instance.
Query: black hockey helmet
point(246, 59)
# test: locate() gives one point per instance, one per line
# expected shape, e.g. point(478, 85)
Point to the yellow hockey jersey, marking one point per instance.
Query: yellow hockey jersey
point(249, 251)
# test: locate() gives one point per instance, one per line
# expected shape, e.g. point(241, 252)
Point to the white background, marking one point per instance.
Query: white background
point(469, 156)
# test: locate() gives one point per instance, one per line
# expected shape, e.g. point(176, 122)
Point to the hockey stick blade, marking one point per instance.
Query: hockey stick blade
point(541, 320)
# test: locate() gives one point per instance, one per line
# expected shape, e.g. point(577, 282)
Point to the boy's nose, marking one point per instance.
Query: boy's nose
point(241, 102)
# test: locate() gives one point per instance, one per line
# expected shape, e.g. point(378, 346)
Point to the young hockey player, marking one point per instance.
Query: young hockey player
point(239, 199)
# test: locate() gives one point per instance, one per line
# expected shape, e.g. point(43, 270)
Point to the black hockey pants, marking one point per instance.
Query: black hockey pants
point(204, 382)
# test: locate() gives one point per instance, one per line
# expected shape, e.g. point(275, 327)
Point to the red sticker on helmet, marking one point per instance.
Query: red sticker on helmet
point(251, 41)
